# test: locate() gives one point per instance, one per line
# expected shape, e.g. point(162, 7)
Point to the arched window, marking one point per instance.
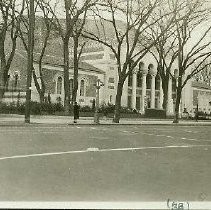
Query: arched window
point(110, 99)
point(16, 77)
point(157, 82)
point(139, 78)
point(149, 78)
point(59, 85)
point(82, 88)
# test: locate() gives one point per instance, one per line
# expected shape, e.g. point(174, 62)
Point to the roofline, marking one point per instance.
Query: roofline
point(58, 65)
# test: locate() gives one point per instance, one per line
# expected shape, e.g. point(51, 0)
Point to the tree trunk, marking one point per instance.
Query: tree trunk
point(3, 70)
point(2, 90)
point(40, 90)
point(118, 101)
point(165, 93)
point(75, 77)
point(42, 97)
point(66, 77)
point(3, 78)
point(178, 98)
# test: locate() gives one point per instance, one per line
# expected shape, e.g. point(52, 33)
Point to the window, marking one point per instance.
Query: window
point(138, 103)
point(156, 103)
point(139, 78)
point(111, 80)
point(71, 86)
point(16, 80)
point(157, 82)
point(149, 78)
point(110, 99)
point(129, 103)
point(110, 87)
point(59, 85)
point(82, 87)
point(112, 56)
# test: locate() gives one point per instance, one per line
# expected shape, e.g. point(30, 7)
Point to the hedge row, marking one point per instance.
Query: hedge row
point(58, 109)
point(52, 108)
point(36, 108)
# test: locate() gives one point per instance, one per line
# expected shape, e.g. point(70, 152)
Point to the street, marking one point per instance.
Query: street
point(105, 163)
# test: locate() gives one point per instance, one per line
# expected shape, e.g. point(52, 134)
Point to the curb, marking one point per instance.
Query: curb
point(23, 124)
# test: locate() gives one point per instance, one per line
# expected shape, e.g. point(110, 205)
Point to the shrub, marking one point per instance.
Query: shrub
point(58, 107)
point(156, 113)
point(86, 109)
point(35, 108)
point(21, 108)
point(6, 108)
point(111, 107)
point(127, 110)
point(51, 108)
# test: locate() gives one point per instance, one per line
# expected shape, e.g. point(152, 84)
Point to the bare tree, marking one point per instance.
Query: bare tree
point(165, 51)
point(45, 35)
point(191, 55)
point(129, 42)
point(78, 46)
point(73, 12)
point(205, 75)
point(8, 28)
point(30, 34)
point(42, 39)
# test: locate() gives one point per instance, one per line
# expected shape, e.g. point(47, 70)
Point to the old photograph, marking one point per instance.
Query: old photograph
point(105, 104)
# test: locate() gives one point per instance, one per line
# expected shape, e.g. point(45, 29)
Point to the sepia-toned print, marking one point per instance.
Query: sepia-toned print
point(105, 104)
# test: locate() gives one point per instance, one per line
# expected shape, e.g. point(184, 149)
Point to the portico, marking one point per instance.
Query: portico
point(145, 89)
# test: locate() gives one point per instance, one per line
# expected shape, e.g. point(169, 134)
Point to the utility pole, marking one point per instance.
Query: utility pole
point(30, 60)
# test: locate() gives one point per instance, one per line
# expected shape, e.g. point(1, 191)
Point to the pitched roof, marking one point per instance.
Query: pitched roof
point(59, 61)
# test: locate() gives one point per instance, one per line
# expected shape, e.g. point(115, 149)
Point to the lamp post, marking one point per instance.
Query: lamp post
point(98, 85)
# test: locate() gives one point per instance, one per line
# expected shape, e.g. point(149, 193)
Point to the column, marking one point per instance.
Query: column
point(134, 85)
point(104, 96)
point(161, 95)
point(79, 87)
point(124, 101)
point(152, 105)
point(169, 100)
point(144, 88)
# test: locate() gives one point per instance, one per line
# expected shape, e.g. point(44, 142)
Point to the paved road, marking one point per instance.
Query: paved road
point(105, 163)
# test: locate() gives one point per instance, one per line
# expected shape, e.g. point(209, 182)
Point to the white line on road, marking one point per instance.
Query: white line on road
point(175, 137)
point(188, 131)
point(100, 150)
point(93, 128)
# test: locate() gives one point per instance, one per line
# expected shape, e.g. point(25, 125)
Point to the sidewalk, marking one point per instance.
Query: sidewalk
point(18, 120)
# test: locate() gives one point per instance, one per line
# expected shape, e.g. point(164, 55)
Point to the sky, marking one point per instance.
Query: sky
point(194, 36)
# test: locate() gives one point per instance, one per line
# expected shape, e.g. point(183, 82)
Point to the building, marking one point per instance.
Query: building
point(142, 89)
point(52, 70)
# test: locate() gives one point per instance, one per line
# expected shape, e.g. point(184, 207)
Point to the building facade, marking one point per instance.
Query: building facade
point(142, 89)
